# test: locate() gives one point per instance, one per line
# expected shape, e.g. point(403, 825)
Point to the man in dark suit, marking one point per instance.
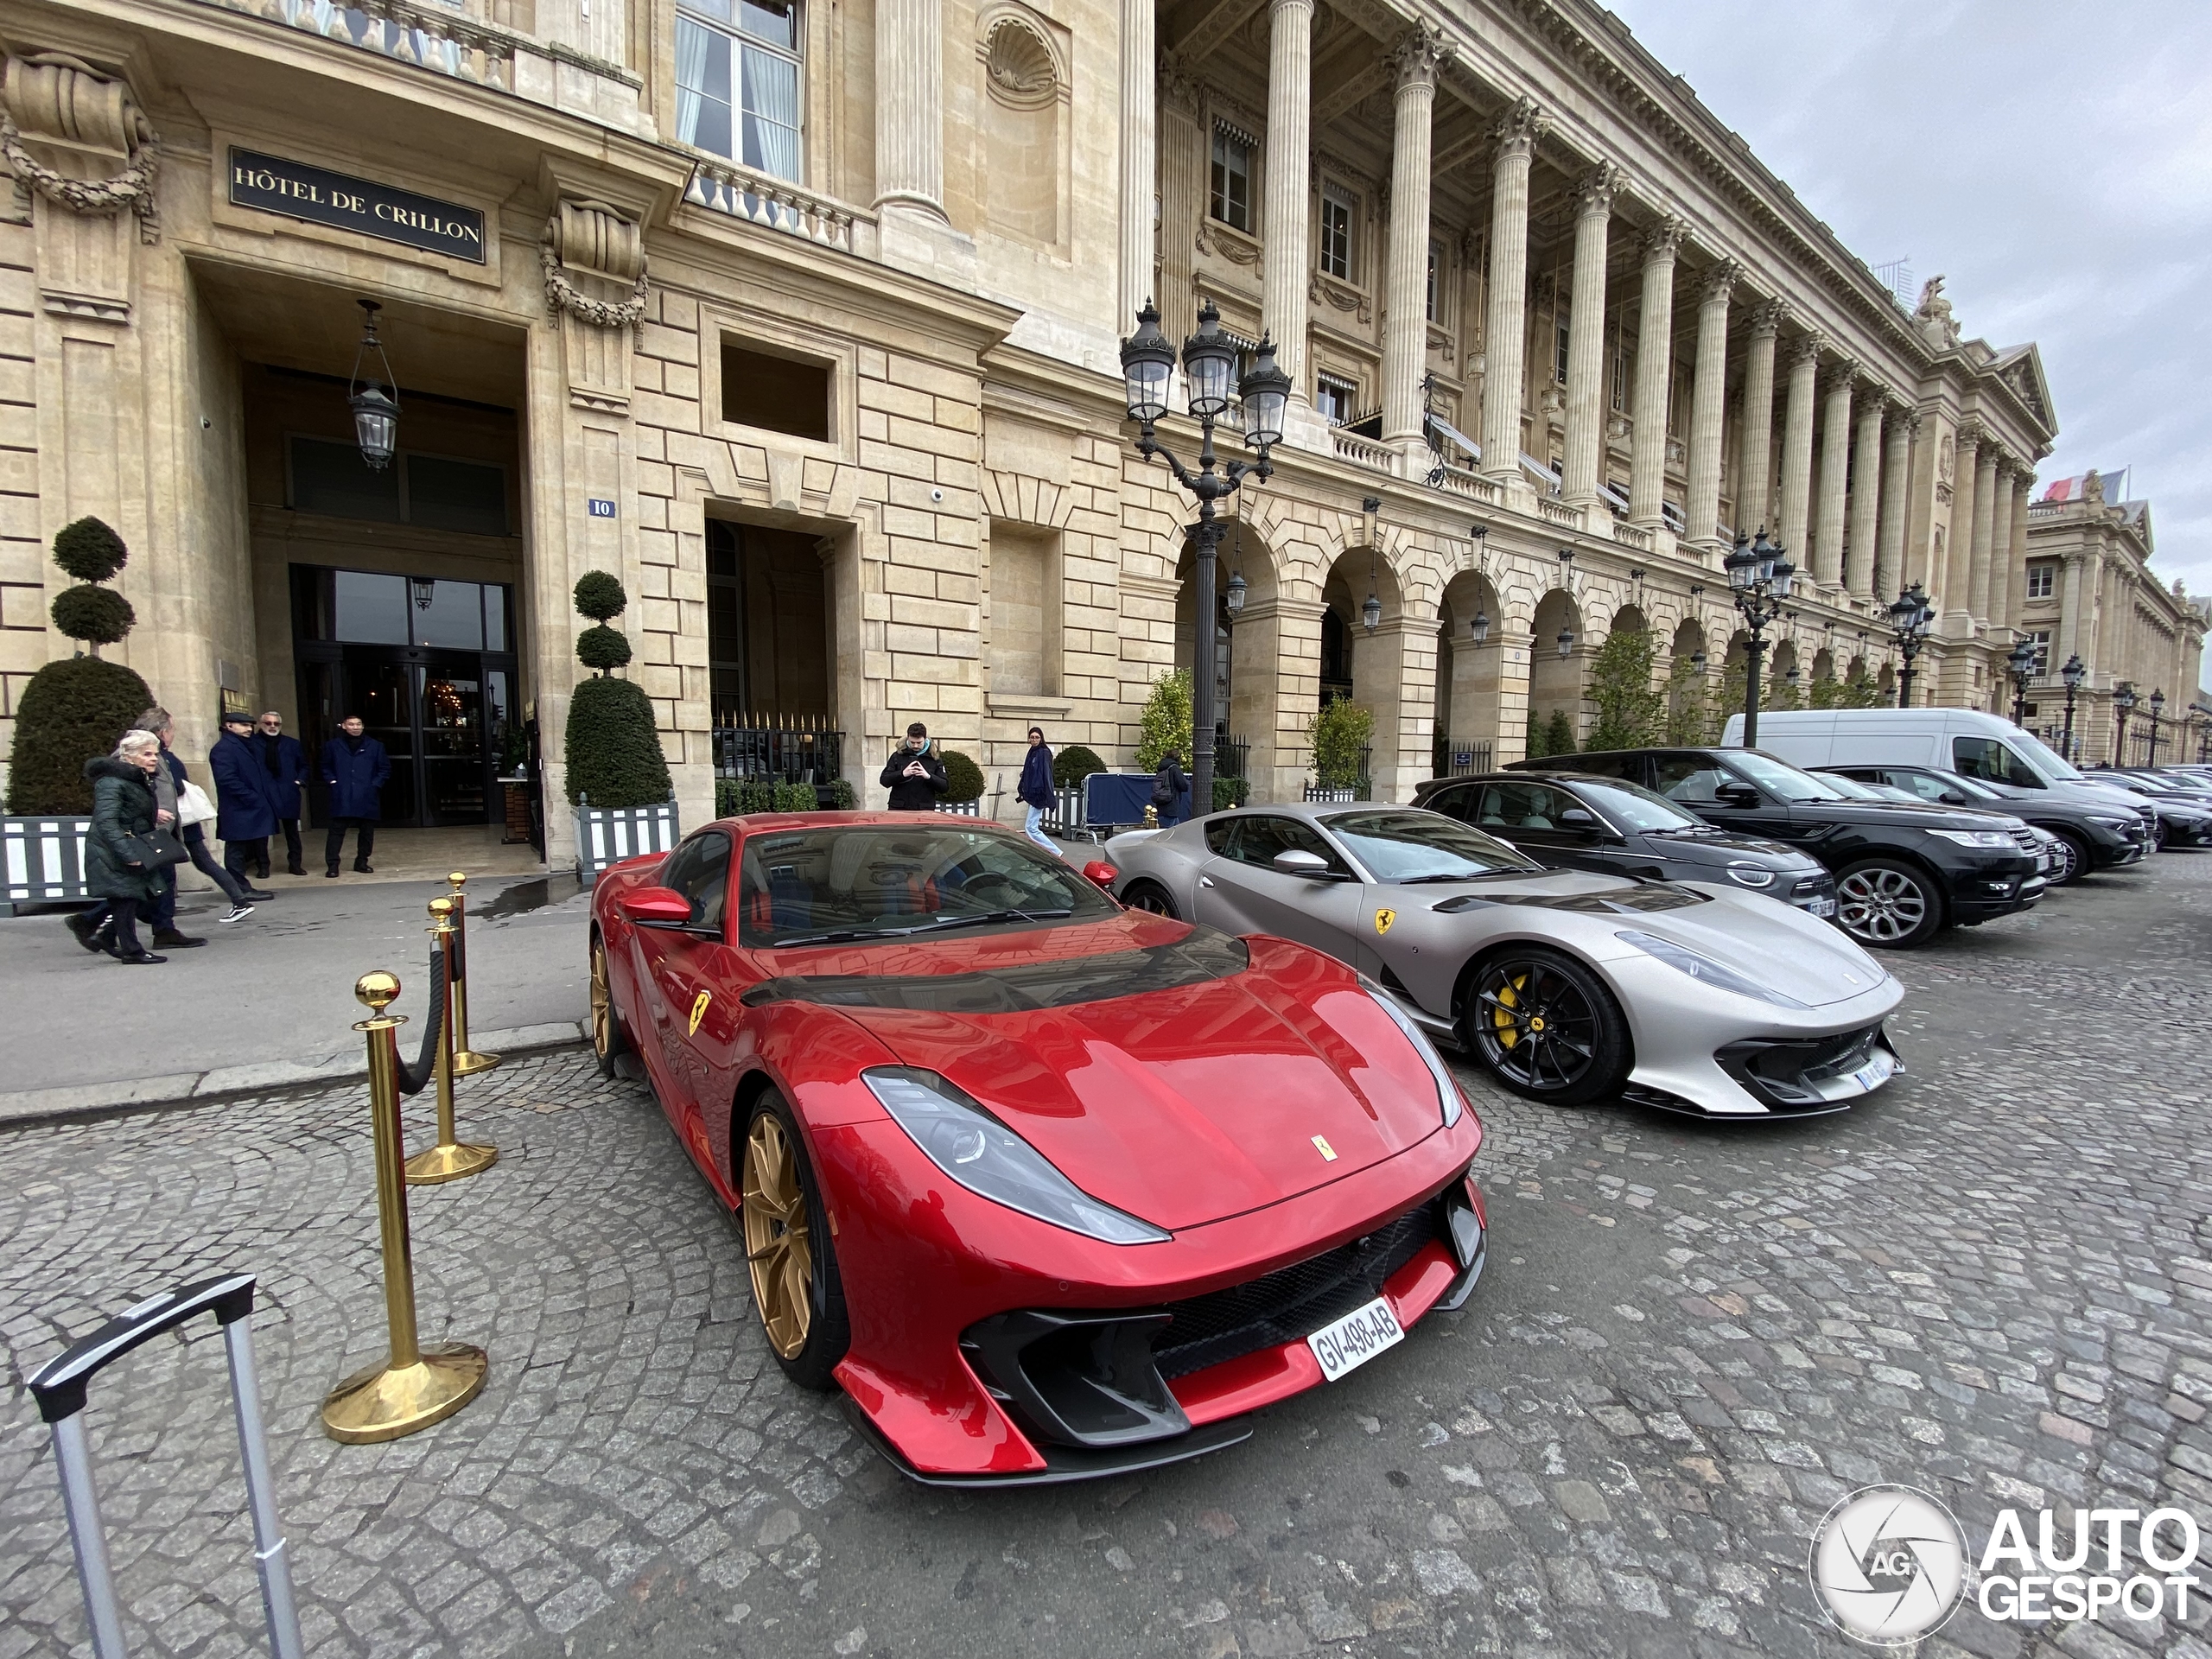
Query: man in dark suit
point(287, 765)
point(243, 812)
point(355, 767)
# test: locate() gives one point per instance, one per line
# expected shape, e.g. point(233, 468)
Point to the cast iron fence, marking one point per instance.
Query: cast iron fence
point(774, 749)
point(1458, 757)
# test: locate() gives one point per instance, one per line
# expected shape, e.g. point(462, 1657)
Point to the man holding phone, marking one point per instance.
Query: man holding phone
point(915, 774)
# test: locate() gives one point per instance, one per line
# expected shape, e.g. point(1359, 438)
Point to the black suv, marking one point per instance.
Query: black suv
point(1903, 872)
point(1571, 820)
point(2095, 837)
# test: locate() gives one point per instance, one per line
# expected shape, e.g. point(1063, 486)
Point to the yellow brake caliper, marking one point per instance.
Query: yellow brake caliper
point(1508, 1032)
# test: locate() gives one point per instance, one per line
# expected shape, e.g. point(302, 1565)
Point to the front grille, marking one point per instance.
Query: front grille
point(1783, 1074)
point(2026, 837)
point(1291, 1303)
point(1813, 887)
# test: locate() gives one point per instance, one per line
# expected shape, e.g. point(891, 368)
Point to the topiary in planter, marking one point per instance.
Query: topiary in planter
point(612, 746)
point(963, 778)
point(75, 709)
point(1074, 763)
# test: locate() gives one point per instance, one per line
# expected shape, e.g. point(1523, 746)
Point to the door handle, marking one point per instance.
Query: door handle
point(1205, 880)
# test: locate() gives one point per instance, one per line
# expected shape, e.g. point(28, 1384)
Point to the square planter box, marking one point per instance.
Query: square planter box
point(606, 835)
point(42, 862)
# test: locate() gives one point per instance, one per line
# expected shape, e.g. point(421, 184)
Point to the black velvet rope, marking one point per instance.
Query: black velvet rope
point(412, 1078)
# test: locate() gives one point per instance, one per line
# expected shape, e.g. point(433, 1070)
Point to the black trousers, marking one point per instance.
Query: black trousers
point(334, 846)
point(122, 917)
point(163, 913)
point(240, 856)
point(291, 828)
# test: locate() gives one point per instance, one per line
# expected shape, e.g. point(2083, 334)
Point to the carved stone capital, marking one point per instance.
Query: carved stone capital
point(1418, 55)
point(1515, 131)
point(1769, 315)
point(1838, 376)
point(1805, 351)
point(1970, 435)
point(88, 122)
point(1662, 239)
point(1178, 90)
point(1719, 282)
point(1595, 190)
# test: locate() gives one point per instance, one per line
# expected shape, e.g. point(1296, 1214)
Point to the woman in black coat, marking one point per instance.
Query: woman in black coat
point(117, 867)
point(1169, 785)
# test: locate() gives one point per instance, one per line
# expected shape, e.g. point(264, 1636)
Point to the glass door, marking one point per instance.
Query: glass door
point(449, 707)
point(380, 688)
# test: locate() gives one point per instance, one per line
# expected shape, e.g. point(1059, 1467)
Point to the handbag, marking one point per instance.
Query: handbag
point(192, 805)
point(155, 850)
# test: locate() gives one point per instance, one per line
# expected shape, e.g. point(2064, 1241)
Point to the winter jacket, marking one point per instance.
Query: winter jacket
point(123, 806)
point(243, 809)
point(288, 773)
point(914, 794)
point(356, 778)
point(1171, 783)
point(1036, 786)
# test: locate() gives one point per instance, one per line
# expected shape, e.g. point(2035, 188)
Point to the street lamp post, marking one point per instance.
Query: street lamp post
point(2123, 704)
point(1911, 617)
point(2074, 673)
point(2022, 665)
point(2157, 707)
point(1208, 368)
point(1760, 577)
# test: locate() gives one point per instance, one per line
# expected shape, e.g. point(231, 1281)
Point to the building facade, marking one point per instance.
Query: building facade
point(2090, 594)
point(803, 320)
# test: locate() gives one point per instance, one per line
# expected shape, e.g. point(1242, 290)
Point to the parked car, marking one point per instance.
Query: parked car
point(1964, 740)
point(2185, 817)
point(2096, 835)
point(1570, 820)
point(1568, 986)
point(1902, 872)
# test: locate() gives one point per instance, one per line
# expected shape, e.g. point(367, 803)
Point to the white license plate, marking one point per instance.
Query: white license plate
point(1824, 908)
point(1875, 1072)
point(1356, 1338)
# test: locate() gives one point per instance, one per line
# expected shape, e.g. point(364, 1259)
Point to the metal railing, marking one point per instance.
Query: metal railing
point(1458, 757)
point(771, 749)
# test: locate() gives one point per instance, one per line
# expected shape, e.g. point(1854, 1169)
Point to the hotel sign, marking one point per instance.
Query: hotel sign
point(299, 191)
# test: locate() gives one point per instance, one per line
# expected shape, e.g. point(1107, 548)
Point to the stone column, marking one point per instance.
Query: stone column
point(2000, 547)
point(1285, 263)
point(1755, 491)
point(1405, 314)
point(1655, 371)
point(1958, 562)
point(1586, 337)
point(1797, 447)
point(1889, 536)
point(1985, 512)
point(1139, 158)
point(1702, 504)
point(1835, 451)
point(909, 111)
point(1504, 332)
point(2016, 586)
point(1865, 495)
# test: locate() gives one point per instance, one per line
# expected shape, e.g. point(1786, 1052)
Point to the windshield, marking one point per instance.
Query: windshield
point(842, 884)
point(2043, 756)
point(1634, 807)
point(1857, 789)
point(1778, 778)
point(1410, 846)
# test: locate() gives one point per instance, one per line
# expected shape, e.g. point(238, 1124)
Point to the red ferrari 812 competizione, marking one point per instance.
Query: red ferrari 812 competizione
point(1050, 1188)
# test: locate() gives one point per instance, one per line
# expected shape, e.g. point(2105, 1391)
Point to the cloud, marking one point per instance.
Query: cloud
point(2053, 161)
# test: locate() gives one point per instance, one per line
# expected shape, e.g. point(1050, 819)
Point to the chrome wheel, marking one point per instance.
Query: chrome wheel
point(1881, 905)
point(1534, 1026)
point(776, 1238)
point(2069, 864)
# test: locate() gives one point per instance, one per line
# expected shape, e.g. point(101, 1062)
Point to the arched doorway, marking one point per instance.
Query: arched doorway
point(1785, 686)
point(1468, 672)
point(1247, 638)
point(1689, 685)
point(1367, 662)
point(1558, 662)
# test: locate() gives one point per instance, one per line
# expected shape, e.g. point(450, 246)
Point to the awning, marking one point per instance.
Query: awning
point(1466, 444)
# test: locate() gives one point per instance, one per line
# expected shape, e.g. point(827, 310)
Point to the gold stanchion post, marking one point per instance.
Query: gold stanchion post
point(450, 1158)
point(466, 1062)
point(416, 1386)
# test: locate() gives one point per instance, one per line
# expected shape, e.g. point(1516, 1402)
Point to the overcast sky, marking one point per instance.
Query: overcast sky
point(2052, 161)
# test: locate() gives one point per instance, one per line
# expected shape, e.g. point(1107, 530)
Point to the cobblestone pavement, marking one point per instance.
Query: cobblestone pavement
point(1990, 1281)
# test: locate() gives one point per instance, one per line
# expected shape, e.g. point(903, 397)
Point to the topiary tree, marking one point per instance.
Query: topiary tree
point(74, 710)
point(1072, 765)
point(963, 778)
point(1533, 742)
point(1559, 733)
point(1166, 723)
point(613, 750)
point(1630, 712)
point(1340, 732)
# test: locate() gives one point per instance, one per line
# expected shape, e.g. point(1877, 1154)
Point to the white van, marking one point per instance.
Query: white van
point(1964, 740)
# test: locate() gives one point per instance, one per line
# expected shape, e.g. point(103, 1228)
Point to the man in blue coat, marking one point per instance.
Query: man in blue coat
point(355, 767)
point(245, 815)
point(286, 764)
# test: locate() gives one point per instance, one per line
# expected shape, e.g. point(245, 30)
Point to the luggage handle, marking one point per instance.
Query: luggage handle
point(60, 1387)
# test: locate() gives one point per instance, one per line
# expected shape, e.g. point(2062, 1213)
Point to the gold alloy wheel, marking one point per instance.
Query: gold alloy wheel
point(603, 1004)
point(776, 1243)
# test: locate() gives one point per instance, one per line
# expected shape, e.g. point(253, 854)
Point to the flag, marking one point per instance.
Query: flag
point(2069, 489)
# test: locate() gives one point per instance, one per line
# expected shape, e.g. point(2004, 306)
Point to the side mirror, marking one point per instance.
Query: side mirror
point(1736, 795)
point(656, 907)
point(1580, 819)
point(1298, 861)
point(1099, 872)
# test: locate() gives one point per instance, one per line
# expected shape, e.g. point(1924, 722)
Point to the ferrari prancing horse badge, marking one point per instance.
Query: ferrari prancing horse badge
point(699, 1011)
point(1383, 920)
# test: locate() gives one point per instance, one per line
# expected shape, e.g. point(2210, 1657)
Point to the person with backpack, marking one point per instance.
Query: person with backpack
point(1035, 788)
point(1169, 786)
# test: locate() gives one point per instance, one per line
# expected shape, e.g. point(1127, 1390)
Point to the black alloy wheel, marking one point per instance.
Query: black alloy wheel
point(1888, 904)
point(1546, 1028)
point(1151, 897)
point(2076, 852)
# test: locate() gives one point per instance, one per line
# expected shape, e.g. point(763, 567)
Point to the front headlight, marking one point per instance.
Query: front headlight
point(2118, 826)
point(1750, 876)
point(992, 1162)
point(1448, 1089)
point(1705, 970)
point(1976, 837)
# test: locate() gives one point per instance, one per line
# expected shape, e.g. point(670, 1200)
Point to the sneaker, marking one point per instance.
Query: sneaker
point(169, 939)
point(237, 913)
point(87, 931)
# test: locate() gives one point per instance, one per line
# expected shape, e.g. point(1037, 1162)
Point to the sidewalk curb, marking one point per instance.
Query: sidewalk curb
point(37, 1106)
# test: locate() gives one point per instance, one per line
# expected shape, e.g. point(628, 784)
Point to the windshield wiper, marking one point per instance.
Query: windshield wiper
point(979, 918)
point(862, 935)
point(1470, 875)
